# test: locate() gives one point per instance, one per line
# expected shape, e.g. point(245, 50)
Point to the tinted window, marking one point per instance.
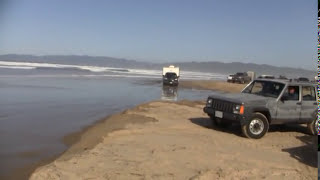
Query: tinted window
point(265, 88)
point(171, 75)
point(308, 93)
point(292, 93)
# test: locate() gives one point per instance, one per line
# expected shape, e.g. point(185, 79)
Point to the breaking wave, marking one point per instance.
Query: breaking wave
point(100, 71)
point(17, 67)
point(60, 66)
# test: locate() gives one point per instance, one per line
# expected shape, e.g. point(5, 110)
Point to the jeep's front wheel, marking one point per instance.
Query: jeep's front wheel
point(313, 126)
point(256, 127)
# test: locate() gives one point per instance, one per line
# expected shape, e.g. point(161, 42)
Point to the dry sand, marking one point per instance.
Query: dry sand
point(165, 140)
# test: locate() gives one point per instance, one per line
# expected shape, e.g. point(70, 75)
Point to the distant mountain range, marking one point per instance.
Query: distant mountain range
point(213, 67)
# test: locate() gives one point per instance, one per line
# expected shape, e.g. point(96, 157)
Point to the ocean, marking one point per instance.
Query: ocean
point(40, 103)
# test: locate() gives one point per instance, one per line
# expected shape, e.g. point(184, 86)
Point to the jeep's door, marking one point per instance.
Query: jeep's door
point(309, 103)
point(289, 107)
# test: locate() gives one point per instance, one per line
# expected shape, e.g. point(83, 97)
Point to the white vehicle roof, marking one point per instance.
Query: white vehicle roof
point(172, 69)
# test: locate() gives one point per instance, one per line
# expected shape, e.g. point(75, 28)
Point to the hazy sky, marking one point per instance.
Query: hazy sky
point(276, 32)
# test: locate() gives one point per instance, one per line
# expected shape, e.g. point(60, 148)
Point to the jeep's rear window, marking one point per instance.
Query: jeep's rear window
point(265, 88)
point(308, 93)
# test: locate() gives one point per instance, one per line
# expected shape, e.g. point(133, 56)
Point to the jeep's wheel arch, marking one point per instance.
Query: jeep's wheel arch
point(263, 111)
point(251, 111)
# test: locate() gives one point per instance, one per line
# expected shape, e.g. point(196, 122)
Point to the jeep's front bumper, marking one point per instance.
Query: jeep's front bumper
point(170, 82)
point(226, 116)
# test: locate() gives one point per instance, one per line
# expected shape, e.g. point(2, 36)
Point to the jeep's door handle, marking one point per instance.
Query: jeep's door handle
point(298, 103)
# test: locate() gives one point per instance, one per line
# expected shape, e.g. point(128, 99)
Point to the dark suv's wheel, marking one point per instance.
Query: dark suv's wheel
point(313, 126)
point(256, 127)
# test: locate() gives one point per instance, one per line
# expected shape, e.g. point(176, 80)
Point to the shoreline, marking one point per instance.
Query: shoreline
point(216, 85)
point(74, 139)
point(140, 123)
point(70, 140)
point(89, 137)
point(112, 123)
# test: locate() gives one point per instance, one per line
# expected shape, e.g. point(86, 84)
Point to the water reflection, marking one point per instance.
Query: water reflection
point(169, 93)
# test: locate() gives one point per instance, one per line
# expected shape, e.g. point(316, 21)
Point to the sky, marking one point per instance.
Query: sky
point(280, 33)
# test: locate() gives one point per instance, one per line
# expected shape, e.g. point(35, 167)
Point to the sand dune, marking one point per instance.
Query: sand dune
point(178, 141)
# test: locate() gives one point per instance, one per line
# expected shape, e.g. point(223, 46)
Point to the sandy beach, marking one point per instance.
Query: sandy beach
point(176, 140)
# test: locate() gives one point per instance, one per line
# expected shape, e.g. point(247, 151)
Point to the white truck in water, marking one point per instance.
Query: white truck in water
point(170, 75)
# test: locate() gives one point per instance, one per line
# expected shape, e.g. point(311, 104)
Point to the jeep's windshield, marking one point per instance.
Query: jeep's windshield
point(265, 88)
point(170, 75)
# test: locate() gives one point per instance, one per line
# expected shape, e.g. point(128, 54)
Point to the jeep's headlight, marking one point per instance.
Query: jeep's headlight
point(209, 102)
point(238, 109)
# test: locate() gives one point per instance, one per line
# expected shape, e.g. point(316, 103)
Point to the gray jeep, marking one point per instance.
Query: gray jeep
point(263, 102)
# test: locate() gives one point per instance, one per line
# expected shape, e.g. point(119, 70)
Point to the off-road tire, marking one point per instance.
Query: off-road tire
point(313, 127)
point(257, 117)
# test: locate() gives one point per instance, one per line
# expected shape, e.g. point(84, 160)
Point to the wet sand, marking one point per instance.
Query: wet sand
point(216, 85)
point(212, 85)
point(166, 140)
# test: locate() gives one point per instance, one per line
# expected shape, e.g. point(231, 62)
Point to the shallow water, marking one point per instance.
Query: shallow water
point(36, 112)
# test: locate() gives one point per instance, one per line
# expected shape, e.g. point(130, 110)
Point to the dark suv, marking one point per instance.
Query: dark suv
point(241, 77)
point(170, 79)
point(264, 102)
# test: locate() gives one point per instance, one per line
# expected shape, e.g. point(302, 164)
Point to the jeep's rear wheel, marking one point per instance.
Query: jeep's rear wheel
point(313, 126)
point(256, 127)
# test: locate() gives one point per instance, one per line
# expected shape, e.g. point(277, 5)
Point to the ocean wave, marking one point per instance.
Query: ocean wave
point(49, 65)
point(104, 75)
point(80, 75)
point(17, 67)
point(108, 71)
